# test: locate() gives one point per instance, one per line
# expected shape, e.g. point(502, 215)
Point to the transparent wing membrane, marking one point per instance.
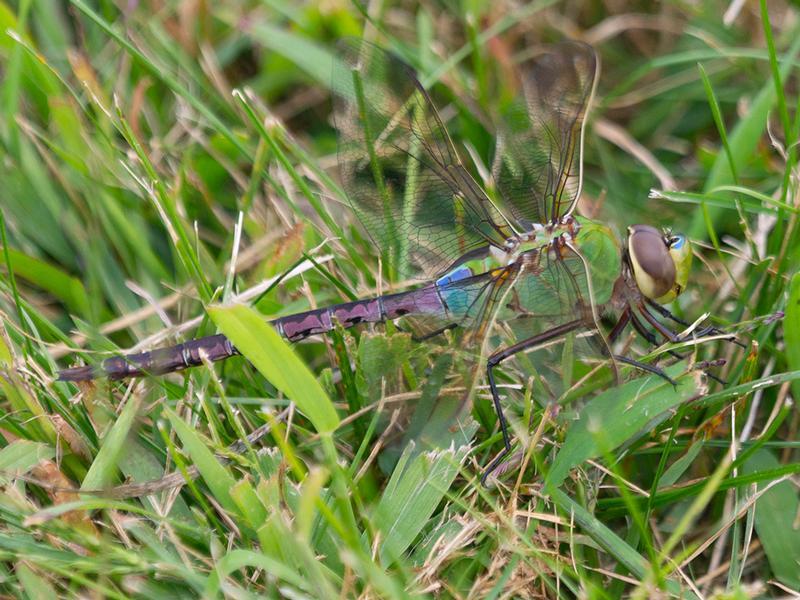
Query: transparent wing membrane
point(538, 160)
point(403, 176)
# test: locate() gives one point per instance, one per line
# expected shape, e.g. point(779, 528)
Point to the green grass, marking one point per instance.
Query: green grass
point(350, 465)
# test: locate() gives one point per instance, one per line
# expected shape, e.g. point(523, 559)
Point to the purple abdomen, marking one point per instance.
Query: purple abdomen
point(423, 301)
point(426, 300)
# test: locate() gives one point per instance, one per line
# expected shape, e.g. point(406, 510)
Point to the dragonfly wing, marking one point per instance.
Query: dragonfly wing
point(401, 172)
point(538, 160)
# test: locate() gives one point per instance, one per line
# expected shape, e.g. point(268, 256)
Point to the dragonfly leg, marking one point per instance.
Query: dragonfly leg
point(706, 365)
point(621, 323)
point(626, 317)
point(498, 357)
point(655, 370)
point(657, 325)
point(710, 330)
point(503, 428)
point(433, 334)
point(650, 337)
point(666, 313)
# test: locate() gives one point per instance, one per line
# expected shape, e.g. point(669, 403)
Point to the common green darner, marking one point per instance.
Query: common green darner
point(512, 252)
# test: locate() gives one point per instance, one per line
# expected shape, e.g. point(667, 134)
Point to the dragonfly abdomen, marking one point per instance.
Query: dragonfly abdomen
point(156, 362)
point(427, 300)
point(313, 322)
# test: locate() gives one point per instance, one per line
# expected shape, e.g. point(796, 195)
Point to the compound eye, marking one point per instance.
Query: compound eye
point(653, 266)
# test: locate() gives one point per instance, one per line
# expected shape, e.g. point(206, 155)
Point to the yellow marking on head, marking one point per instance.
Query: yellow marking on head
point(680, 251)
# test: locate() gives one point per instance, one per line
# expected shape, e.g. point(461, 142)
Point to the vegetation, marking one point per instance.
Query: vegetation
point(164, 162)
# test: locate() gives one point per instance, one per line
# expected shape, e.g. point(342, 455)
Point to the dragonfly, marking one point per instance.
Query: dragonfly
point(505, 249)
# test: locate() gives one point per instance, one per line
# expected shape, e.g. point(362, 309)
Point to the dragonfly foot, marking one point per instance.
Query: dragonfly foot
point(706, 365)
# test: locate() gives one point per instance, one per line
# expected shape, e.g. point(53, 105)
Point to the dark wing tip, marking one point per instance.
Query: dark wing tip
point(85, 373)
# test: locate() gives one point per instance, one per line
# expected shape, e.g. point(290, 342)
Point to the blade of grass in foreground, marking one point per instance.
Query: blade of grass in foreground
point(218, 478)
point(104, 467)
point(277, 362)
point(417, 486)
point(776, 511)
point(617, 415)
point(609, 540)
point(791, 329)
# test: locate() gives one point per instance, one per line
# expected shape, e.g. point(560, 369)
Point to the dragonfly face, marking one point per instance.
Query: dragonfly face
point(660, 262)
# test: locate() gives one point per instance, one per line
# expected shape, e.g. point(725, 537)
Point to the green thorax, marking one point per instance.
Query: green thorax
point(546, 283)
point(601, 251)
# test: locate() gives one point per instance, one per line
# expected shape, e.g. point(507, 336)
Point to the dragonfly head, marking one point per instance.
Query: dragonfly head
point(660, 262)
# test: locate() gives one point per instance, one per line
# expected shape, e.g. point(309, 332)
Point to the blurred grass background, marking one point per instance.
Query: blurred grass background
point(127, 162)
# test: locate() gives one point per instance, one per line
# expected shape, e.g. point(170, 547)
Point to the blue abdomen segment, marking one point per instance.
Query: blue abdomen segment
point(456, 274)
point(459, 289)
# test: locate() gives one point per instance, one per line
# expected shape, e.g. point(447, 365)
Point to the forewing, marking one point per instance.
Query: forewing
point(538, 160)
point(401, 172)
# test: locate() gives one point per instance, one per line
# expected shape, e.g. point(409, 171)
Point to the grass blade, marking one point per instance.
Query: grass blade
point(417, 486)
point(104, 468)
point(277, 362)
point(776, 517)
point(217, 477)
point(791, 330)
point(618, 415)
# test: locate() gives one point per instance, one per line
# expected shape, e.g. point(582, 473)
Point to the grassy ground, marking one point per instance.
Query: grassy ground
point(134, 177)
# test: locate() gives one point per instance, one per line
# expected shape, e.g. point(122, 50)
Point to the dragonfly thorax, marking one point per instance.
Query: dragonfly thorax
point(537, 237)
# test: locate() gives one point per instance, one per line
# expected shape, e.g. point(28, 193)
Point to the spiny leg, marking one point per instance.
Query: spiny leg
point(705, 331)
point(652, 338)
point(665, 331)
point(620, 325)
point(655, 370)
point(705, 367)
point(628, 316)
point(665, 312)
point(501, 355)
point(432, 334)
point(625, 317)
point(498, 409)
point(670, 335)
